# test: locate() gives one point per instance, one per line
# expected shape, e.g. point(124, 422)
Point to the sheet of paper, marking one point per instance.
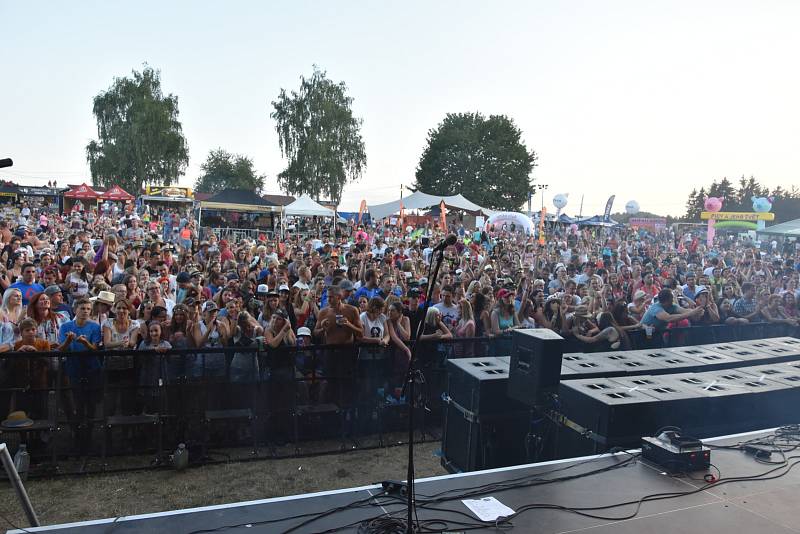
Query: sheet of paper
point(488, 508)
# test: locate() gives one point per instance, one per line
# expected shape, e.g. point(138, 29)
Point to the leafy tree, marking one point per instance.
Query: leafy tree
point(140, 139)
point(320, 137)
point(481, 158)
point(223, 170)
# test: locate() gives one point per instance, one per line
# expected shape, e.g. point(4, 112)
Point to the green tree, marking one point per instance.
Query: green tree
point(140, 139)
point(482, 158)
point(694, 205)
point(223, 170)
point(748, 188)
point(723, 189)
point(320, 138)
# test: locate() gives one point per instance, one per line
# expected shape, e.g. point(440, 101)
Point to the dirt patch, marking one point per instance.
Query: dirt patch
point(78, 498)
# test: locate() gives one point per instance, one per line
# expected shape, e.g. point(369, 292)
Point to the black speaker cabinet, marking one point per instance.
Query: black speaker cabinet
point(535, 369)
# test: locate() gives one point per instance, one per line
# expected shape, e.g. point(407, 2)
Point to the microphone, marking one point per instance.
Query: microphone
point(6, 163)
point(448, 241)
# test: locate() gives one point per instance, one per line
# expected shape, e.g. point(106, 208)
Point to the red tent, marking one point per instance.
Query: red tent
point(83, 191)
point(116, 193)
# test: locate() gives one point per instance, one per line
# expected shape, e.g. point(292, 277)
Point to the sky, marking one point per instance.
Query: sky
point(642, 99)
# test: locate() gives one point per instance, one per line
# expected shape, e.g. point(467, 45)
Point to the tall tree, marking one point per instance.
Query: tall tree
point(320, 138)
point(140, 139)
point(748, 188)
point(723, 189)
point(223, 170)
point(694, 205)
point(482, 158)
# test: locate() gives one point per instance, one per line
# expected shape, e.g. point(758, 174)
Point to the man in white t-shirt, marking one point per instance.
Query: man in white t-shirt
point(450, 312)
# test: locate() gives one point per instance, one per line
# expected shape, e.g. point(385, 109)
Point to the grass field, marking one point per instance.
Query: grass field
point(77, 498)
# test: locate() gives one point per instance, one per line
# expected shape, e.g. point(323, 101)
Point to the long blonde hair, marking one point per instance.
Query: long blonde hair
point(466, 311)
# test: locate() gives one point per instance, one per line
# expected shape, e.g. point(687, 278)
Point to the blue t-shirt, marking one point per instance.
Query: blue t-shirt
point(364, 291)
point(27, 290)
point(654, 309)
point(92, 332)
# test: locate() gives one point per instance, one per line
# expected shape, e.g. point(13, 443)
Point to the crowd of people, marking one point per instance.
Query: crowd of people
point(115, 279)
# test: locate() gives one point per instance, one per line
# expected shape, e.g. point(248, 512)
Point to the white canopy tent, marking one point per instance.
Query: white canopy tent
point(305, 206)
point(420, 200)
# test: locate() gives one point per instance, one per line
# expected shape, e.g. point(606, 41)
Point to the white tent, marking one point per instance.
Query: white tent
point(305, 206)
point(420, 200)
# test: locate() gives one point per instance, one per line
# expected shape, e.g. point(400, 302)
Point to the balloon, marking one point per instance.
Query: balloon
point(632, 207)
point(762, 204)
point(560, 200)
point(713, 203)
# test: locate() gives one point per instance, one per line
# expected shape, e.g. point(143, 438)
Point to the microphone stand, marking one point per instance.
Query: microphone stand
point(411, 375)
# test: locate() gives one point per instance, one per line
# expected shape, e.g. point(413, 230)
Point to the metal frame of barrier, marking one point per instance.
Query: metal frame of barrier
point(246, 396)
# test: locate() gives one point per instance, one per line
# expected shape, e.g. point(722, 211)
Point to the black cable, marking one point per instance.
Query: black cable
point(7, 520)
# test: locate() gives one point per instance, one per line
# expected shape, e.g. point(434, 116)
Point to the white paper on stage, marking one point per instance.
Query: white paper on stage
point(488, 508)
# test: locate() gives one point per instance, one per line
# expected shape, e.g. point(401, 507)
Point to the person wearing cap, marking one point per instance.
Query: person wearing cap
point(57, 301)
point(703, 301)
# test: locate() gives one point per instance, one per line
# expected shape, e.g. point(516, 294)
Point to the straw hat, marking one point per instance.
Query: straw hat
point(104, 297)
point(18, 419)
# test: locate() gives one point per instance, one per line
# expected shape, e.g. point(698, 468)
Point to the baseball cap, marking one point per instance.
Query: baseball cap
point(488, 268)
point(209, 306)
point(183, 277)
point(283, 287)
point(414, 292)
point(303, 331)
point(639, 295)
point(262, 289)
point(52, 290)
point(346, 285)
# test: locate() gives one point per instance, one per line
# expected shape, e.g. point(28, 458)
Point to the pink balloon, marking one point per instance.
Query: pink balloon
point(713, 203)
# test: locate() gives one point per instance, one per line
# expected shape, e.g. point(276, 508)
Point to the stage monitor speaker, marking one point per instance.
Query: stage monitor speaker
point(535, 369)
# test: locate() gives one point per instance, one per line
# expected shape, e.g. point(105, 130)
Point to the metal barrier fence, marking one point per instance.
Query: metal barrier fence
point(94, 405)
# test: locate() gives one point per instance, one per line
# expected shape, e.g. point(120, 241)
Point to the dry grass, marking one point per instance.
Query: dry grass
point(78, 498)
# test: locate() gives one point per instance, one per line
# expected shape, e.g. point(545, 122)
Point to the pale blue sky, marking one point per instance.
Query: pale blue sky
point(643, 99)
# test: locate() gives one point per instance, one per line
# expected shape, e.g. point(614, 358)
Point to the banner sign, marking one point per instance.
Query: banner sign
point(607, 212)
point(173, 192)
point(736, 216)
point(656, 223)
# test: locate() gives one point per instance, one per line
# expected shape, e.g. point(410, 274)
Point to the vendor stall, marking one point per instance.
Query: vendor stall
point(239, 209)
point(80, 197)
point(37, 198)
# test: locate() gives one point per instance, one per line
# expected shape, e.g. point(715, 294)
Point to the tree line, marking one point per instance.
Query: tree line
point(140, 141)
point(736, 197)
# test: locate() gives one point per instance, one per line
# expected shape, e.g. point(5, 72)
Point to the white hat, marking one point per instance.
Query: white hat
point(303, 331)
point(283, 287)
point(301, 285)
point(105, 297)
point(262, 289)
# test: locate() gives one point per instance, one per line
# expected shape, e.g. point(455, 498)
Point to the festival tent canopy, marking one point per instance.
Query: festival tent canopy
point(419, 200)
point(82, 191)
point(786, 229)
point(597, 220)
point(305, 206)
point(239, 200)
point(116, 193)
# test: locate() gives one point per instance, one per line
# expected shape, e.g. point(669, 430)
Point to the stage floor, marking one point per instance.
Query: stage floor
point(769, 506)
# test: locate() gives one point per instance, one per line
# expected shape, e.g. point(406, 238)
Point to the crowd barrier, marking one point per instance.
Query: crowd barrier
point(113, 403)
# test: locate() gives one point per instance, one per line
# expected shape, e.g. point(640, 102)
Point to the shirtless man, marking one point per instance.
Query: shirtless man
point(338, 322)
